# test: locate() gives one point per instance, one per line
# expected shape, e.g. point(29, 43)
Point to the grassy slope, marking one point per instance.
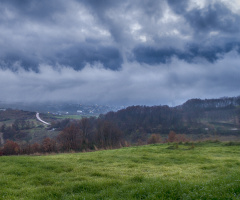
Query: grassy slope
point(209, 171)
point(68, 116)
point(36, 134)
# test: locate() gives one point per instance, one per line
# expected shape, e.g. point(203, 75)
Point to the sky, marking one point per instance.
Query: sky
point(129, 52)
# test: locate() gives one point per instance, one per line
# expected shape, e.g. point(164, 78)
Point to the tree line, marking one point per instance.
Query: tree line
point(87, 134)
point(77, 135)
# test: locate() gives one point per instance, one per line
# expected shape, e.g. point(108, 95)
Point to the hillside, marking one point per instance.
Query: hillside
point(186, 171)
point(196, 119)
point(22, 126)
point(10, 114)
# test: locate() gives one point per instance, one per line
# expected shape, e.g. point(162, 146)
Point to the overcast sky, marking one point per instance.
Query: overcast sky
point(147, 52)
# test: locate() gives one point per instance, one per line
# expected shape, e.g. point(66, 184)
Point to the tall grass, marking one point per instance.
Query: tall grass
point(207, 171)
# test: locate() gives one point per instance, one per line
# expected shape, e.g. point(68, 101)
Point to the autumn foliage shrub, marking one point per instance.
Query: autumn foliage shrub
point(10, 148)
point(49, 145)
point(173, 137)
point(154, 138)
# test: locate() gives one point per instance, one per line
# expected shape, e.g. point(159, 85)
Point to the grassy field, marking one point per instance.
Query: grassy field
point(207, 171)
point(67, 116)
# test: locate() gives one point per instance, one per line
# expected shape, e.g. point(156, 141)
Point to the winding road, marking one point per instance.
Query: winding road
point(37, 116)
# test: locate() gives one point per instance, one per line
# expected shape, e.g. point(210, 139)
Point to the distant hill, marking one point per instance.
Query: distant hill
point(196, 116)
point(224, 102)
point(11, 114)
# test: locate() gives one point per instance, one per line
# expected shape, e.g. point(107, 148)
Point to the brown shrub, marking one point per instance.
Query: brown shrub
point(10, 148)
point(154, 138)
point(172, 136)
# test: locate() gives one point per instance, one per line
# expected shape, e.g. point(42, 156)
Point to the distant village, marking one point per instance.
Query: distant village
point(62, 108)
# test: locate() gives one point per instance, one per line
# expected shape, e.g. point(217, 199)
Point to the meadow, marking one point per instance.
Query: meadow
point(206, 170)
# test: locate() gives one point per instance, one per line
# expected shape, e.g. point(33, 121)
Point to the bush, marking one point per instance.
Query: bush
point(173, 137)
point(154, 138)
point(10, 148)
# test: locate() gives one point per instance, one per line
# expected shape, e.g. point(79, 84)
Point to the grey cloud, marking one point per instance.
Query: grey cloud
point(76, 57)
point(40, 11)
point(171, 83)
point(179, 7)
point(118, 16)
point(215, 28)
point(79, 55)
point(215, 17)
point(36, 32)
point(50, 33)
point(154, 56)
point(99, 10)
point(151, 55)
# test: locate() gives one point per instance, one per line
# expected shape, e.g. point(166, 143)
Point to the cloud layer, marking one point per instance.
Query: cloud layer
point(119, 52)
point(135, 83)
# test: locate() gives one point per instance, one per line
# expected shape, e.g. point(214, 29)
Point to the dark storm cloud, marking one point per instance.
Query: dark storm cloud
point(215, 17)
point(150, 55)
point(79, 55)
point(153, 56)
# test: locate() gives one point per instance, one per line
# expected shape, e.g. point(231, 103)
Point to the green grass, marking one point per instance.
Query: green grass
point(7, 122)
point(70, 116)
point(208, 171)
